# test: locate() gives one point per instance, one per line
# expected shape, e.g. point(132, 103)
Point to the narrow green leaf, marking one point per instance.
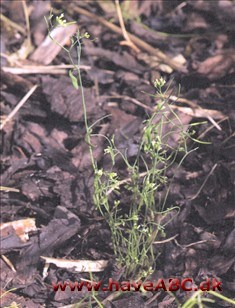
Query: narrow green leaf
point(201, 142)
point(73, 79)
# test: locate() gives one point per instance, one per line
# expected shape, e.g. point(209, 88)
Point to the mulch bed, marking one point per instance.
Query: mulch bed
point(45, 156)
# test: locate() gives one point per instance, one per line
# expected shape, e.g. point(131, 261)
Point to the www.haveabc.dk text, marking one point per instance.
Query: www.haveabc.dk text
point(171, 284)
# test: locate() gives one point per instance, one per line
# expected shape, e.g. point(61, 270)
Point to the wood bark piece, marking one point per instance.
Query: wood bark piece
point(61, 228)
point(48, 50)
point(78, 265)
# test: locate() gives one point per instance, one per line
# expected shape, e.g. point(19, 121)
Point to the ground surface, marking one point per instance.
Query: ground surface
point(45, 157)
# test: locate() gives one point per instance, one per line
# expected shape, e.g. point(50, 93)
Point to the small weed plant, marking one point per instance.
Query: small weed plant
point(135, 226)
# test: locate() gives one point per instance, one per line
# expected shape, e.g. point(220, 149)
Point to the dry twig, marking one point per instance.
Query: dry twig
point(127, 41)
point(18, 106)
